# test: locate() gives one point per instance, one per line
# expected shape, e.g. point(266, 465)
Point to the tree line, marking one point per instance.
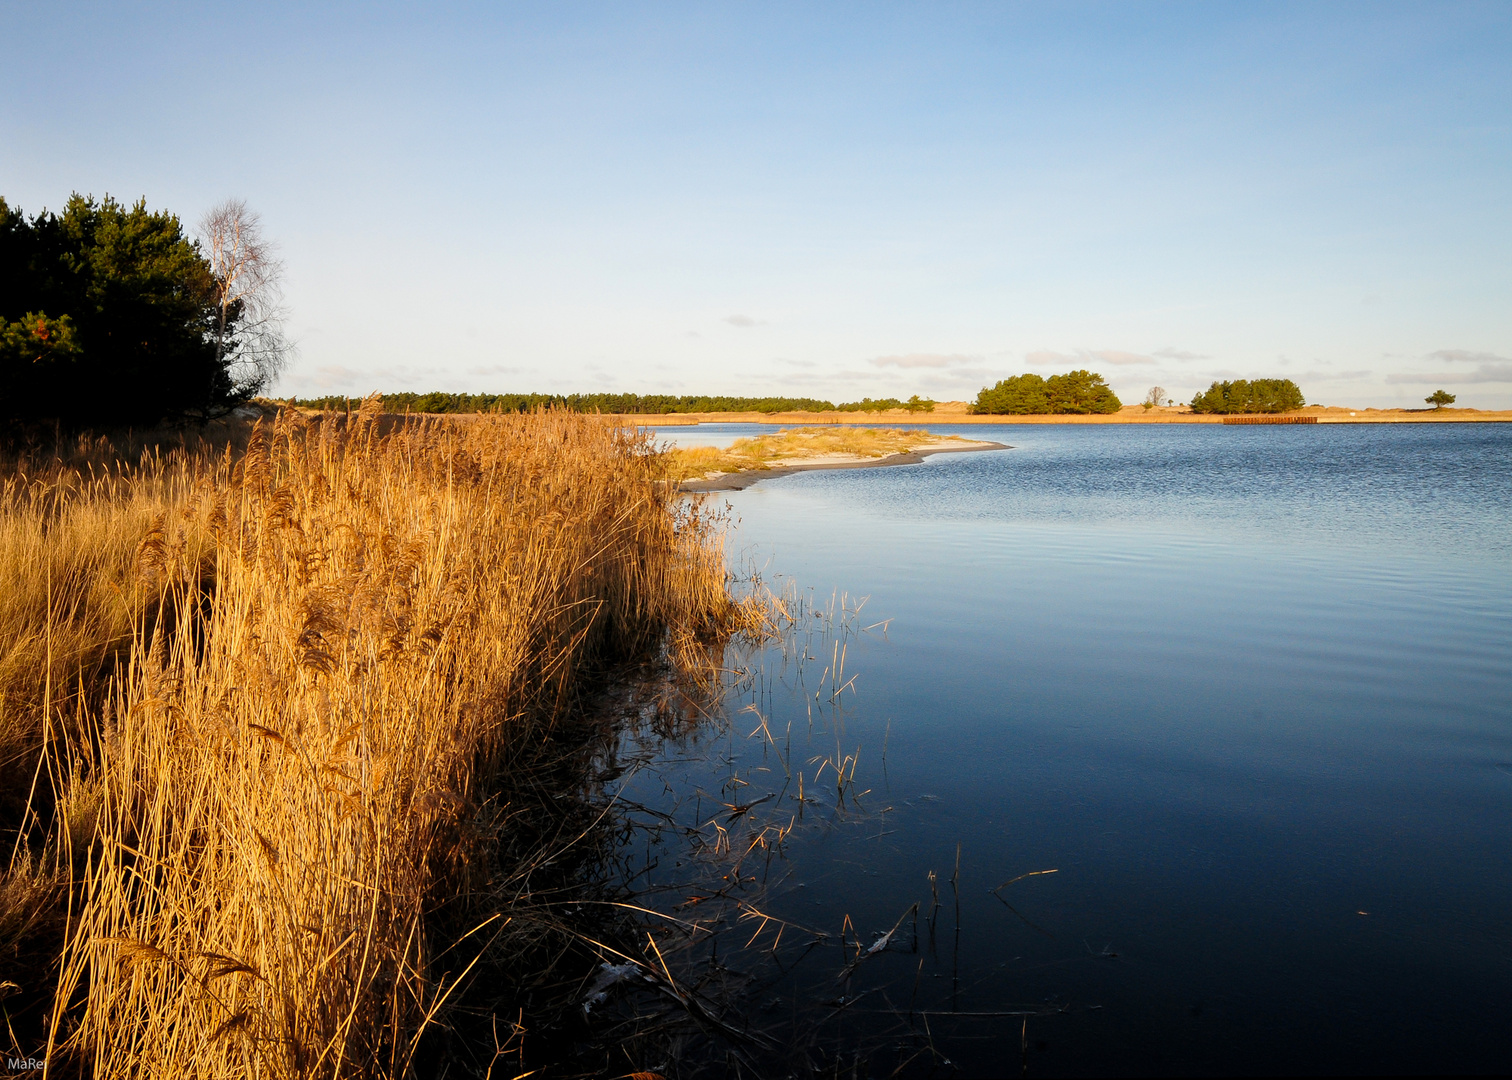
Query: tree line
point(644, 404)
point(114, 314)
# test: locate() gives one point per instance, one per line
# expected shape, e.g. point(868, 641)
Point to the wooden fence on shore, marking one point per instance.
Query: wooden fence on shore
point(1270, 419)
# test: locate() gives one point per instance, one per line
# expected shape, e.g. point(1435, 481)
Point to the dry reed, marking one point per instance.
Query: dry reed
point(327, 650)
point(71, 520)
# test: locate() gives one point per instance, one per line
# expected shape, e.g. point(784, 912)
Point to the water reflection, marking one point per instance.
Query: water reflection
point(1246, 690)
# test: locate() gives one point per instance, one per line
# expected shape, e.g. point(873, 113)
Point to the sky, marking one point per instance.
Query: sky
point(832, 200)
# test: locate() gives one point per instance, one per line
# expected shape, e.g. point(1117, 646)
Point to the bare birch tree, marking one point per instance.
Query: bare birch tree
point(1154, 396)
point(250, 346)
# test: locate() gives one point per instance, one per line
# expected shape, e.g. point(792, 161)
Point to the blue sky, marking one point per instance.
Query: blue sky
point(829, 199)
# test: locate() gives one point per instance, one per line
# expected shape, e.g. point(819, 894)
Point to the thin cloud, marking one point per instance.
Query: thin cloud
point(1322, 375)
point(745, 322)
point(924, 360)
point(1465, 356)
point(1171, 353)
point(1117, 357)
point(494, 369)
point(1486, 373)
point(330, 375)
point(347, 380)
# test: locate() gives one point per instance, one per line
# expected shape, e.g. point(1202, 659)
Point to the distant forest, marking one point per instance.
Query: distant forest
point(648, 404)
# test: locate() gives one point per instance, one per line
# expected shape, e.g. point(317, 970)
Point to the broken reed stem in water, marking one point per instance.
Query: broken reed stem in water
point(352, 627)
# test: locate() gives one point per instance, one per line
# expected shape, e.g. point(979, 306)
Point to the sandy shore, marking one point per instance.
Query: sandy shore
point(739, 481)
point(954, 412)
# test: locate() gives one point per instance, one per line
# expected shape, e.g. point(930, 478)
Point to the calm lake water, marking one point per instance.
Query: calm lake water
point(1246, 690)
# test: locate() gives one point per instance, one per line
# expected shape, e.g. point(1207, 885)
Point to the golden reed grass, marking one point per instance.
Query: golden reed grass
point(310, 662)
point(71, 521)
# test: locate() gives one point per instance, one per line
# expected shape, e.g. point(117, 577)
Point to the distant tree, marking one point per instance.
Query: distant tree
point(1028, 394)
point(1081, 392)
point(250, 347)
point(1439, 398)
point(110, 314)
point(916, 404)
point(1153, 396)
point(1252, 396)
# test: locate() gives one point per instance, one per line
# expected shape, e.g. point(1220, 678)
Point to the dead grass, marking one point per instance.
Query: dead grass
point(797, 444)
point(276, 695)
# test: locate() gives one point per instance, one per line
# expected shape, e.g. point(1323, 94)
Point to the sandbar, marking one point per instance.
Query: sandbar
point(739, 481)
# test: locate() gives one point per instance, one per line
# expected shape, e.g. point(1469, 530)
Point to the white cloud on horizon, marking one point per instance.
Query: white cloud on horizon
point(745, 322)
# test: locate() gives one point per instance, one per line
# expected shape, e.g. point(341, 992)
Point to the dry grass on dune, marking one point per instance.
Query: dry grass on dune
point(330, 651)
point(794, 444)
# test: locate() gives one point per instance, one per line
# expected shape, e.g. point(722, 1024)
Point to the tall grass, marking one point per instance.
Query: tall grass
point(281, 804)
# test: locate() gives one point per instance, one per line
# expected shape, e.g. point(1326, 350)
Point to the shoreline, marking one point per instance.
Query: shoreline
point(739, 481)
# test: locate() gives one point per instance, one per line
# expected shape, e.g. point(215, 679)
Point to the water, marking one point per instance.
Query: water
point(1247, 691)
